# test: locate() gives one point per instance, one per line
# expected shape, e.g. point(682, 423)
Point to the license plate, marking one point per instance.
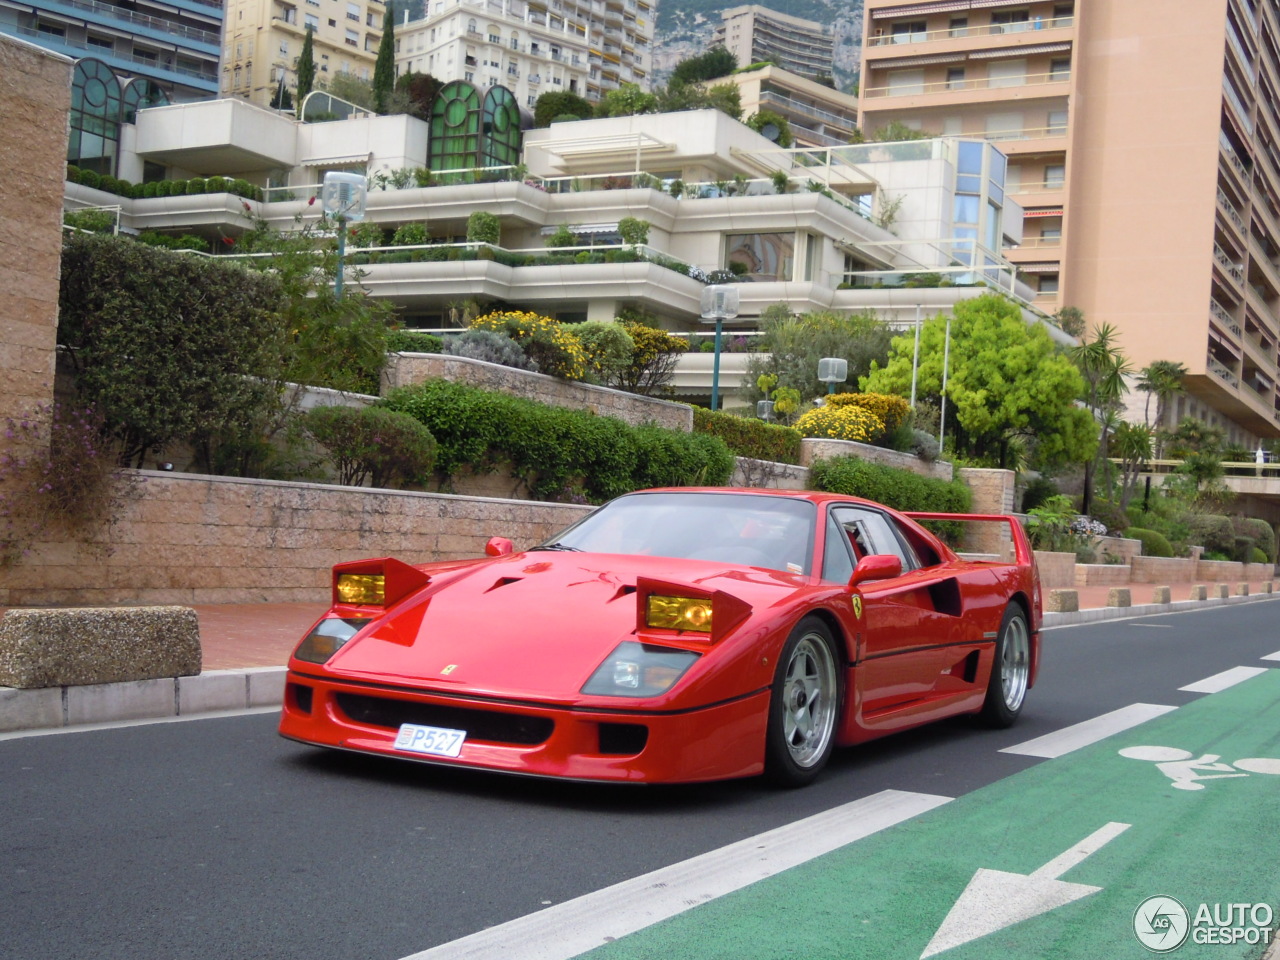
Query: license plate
point(437, 741)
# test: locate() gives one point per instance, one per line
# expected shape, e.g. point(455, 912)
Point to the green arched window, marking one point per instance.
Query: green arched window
point(455, 127)
point(140, 93)
point(94, 142)
point(501, 144)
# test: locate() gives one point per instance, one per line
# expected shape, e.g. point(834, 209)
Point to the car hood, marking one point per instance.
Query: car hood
point(530, 626)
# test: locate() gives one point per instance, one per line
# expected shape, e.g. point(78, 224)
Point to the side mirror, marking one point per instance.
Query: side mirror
point(498, 547)
point(876, 566)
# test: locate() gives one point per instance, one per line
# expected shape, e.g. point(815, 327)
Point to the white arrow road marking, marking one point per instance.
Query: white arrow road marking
point(994, 899)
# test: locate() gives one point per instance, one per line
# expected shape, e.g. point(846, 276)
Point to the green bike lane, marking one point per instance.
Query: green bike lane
point(1053, 862)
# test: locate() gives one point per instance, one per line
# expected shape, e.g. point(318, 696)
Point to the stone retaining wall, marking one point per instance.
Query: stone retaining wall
point(816, 448)
point(766, 473)
point(1057, 569)
point(1102, 574)
point(1122, 548)
point(407, 369)
point(1162, 570)
point(1219, 570)
point(195, 539)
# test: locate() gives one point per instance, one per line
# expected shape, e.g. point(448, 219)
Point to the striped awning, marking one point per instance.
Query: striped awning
point(917, 61)
point(335, 161)
point(920, 8)
point(1005, 53)
point(1051, 212)
point(1050, 266)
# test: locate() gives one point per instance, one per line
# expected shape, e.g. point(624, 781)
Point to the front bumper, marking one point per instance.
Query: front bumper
point(717, 742)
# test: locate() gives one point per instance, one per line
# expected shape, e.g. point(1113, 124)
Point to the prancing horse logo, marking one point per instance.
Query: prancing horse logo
point(857, 607)
point(448, 670)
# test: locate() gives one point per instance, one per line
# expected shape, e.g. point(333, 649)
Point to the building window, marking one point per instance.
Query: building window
point(1059, 70)
point(1012, 21)
point(1048, 283)
point(353, 12)
point(959, 26)
point(1055, 174)
point(905, 82)
point(1007, 73)
point(909, 31)
point(312, 21)
point(766, 256)
point(495, 38)
point(955, 78)
point(1057, 125)
point(105, 42)
point(353, 38)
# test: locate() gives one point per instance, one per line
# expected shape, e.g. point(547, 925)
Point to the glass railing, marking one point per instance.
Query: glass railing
point(982, 83)
point(986, 30)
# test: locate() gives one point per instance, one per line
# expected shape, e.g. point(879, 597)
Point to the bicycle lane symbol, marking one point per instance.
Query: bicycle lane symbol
point(1187, 771)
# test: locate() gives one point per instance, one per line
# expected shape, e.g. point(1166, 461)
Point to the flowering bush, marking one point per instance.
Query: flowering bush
point(60, 476)
point(890, 408)
point(841, 423)
point(545, 341)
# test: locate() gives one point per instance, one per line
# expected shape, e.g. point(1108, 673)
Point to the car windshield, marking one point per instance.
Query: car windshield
point(754, 530)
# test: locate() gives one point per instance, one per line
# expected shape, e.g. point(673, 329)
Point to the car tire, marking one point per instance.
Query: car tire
point(1010, 670)
point(804, 705)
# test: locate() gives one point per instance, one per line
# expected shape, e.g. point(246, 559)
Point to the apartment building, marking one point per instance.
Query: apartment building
point(1144, 144)
point(754, 33)
point(818, 115)
point(531, 47)
point(263, 39)
point(173, 46)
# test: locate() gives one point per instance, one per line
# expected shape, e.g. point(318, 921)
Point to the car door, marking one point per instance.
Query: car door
point(905, 641)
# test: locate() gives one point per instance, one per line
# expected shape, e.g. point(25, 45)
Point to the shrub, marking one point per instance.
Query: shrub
point(633, 230)
point(243, 188)
point(491, 347)
point(1257, 556)
point(217, 185)
point(841, 423)
point(890, 409)
point(90, 178)
point(108, 183)
point(563, 237)
point(93, 221)
point(73, 173)
point(654, 359)
point(1213, 532)
point(924, 445)
point(197, 185)
point(411, 235)
point(410, 341)
point(1261, 533)
point(366, 235)
point(748, 437)
point(1038, 491)
point(900, 489)
point(149, 189)
point(545, 341)
point(607, 345)
point(1109, 514)
point(381, 446)
point(483, 227)
point(554, 450)
point(1154, 544)
point(177, 188)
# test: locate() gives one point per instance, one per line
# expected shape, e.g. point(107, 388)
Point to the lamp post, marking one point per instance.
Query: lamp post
point(946, 366)
point(343, 198)
point(719, 303)
point(833, 370)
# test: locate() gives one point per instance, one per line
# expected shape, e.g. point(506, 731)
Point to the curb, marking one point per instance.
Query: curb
point(210, 692)
point(221, 691)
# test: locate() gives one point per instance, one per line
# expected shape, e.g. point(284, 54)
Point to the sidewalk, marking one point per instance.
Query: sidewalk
point(245, 648)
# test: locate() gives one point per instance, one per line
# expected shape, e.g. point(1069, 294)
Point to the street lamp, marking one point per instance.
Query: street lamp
point(833, 370)
point(343, 198)
point(719, 303)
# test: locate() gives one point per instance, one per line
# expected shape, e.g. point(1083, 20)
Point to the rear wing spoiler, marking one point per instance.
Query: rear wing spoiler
point(1021, 545)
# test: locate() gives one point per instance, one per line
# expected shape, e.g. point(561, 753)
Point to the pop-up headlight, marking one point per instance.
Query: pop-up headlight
point(328, 637)
point(639, 670)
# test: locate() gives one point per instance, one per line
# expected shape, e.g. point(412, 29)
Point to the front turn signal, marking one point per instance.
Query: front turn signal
point(678, 613)
point(362, 588)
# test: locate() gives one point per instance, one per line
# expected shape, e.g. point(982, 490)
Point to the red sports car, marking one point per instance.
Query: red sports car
point(671, 635)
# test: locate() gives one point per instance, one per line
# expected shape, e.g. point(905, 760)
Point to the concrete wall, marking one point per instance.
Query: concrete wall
point(407, 369)
point(35, 95)
point(193, 539)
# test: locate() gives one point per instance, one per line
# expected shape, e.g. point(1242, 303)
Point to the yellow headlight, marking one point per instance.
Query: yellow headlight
point(679, 613)
point(365, 588)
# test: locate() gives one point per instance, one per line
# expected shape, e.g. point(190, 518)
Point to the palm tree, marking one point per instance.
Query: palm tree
point(1163, 380)
point(1104, 369)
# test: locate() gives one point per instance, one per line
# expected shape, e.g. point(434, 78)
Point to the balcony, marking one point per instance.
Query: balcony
point(987, 30)
point(1233, 269)
point(1221, 371)
point(142, 20)
point(1219, 313)
point(976, 84)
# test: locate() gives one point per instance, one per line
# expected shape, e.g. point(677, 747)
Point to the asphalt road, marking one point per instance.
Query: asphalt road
point(215, 839)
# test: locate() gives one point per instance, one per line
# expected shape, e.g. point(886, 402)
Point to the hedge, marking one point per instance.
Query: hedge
point(1154, 543)
point(413, 341)
point(748, 437)
point(558, 453)
point(900, 489)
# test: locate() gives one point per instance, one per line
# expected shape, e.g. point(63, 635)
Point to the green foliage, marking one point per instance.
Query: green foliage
point(1110, 515)
point(555, 104)
point(633, 230)
point(281, 99)
point(1256, 555)
point(547, 342)
point(896, 131)
point(483, 227)
point(185, 242)
point(90, 178)
point(557, 451)
point(781, 183)
point(167, 347)
point(764, 118)
point(748, 437)
point(715, 62)
point(653, 359)
point(1049, 525)
point(384, 68)
point(900, 489)
point(795, 344)
point(91, 221)
point(1212, 531)
point(411, 235)
point(678, 96)
point(625, 101)
point(1007, 383)
point(608, 347)
point(306, 70)
point(1154, 544)
point(893, 411)
point(1260, 532)
point(563, 237)
point(420, 90)
point(374, 444)
point(1038, 491)
point(412, 341)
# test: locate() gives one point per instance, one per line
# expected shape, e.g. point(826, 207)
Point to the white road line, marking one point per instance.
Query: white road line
point(576, 926)
point(1078, 735)
point(1221, 681)
point(1273, 656)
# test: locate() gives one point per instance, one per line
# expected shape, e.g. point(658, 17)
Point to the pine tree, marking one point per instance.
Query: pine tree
point(384, 70)
point(306, 71)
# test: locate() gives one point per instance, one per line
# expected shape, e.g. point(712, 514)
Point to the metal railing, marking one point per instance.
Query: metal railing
point(978, 83)
point(986, 30)
point(1221, 371)
point(848, 123)
point(142, 20)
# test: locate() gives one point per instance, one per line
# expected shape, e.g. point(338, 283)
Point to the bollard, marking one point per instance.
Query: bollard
point(1062, 601)
point(1162, 595)
point(1199, 592)
point(1119, 597)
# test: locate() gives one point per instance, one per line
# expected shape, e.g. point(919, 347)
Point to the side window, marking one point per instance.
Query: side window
point(872, 532)
point(837, 559)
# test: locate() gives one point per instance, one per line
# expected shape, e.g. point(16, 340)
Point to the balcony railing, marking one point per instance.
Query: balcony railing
point(816, 113)
point(1224, 203)
point(979, 83)
point(987, 30)
point(1218, 312)
point(1221, 371)
point(1224, 260)
point(142, 20)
